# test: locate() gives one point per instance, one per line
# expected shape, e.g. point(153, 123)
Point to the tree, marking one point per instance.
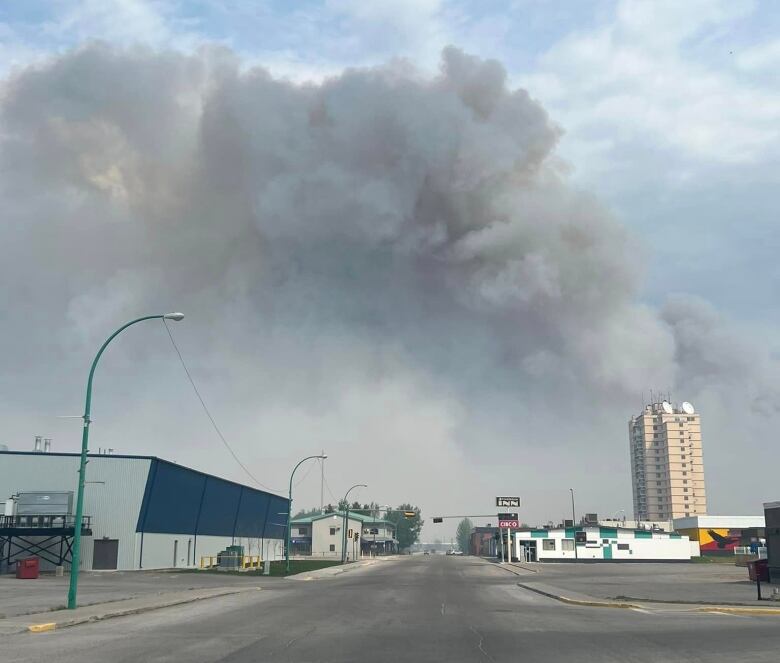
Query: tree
point(463, 535)
point(407, 529)
point(306, 512)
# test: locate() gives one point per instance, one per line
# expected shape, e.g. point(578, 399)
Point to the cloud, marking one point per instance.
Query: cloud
point(649, 77)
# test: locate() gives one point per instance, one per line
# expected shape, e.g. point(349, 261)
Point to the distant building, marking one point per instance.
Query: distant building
point(482, 541)
point(667, 470)
point(601, 543)
point(322, 536)
point(722, 534)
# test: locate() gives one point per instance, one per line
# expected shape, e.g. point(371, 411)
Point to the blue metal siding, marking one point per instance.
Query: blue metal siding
point(220, 503)
point(178, 500)
point(251, 514)
point(276, 523)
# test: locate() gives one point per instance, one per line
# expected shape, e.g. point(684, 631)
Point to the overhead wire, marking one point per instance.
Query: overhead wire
point(211, 418)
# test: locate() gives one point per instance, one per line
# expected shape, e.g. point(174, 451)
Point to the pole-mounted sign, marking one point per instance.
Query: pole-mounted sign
point(508, 502)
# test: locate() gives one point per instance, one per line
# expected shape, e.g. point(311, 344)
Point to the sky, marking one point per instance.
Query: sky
point(454, 244)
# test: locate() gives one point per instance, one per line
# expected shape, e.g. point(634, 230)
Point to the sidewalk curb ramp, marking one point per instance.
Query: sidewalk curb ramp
point(582, 602)
point(102, 611)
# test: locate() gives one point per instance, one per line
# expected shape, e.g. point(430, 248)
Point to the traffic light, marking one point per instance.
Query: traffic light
point(438, 520)
point(410, 514)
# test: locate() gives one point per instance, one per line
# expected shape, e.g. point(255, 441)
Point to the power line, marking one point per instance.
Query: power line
point(211, 419)
point(330, 492)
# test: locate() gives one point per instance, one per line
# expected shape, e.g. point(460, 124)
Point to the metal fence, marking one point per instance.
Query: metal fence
point(760, 552)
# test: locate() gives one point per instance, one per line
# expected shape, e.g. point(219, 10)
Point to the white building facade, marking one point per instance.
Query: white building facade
point(601, 543)
point(322, 535)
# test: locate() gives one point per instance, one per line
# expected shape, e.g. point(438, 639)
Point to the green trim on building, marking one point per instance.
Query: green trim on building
point(539, 534)
point(608, 532)
point(674, 535)
point(570, 532)
point(642, 534)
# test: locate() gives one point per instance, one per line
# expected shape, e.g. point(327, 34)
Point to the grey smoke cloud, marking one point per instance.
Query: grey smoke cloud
point(383, 242)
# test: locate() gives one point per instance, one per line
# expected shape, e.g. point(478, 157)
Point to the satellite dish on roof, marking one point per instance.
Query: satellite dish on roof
point(687, 408)
point(667, 407)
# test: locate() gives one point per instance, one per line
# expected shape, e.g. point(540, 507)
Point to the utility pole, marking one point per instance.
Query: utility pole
point(75, 558)
point(322, 483)
point(574, 522)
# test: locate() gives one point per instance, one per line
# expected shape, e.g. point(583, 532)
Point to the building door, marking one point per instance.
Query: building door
point(175, 551)
point(608, 551)
point(105, 553)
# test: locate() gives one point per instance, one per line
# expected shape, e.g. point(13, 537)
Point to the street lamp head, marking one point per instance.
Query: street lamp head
point(178, 317)
point(324, 456)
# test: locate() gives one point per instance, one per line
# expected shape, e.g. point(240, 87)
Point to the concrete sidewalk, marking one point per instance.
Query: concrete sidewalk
point(58, 619)
point(26, 597)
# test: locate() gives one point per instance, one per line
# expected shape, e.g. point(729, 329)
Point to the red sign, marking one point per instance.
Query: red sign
point(512, 524)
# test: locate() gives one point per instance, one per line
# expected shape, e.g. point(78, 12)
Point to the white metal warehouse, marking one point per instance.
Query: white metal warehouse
point(141, 512)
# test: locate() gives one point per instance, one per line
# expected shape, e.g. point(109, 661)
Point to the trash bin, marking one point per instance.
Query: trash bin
point(27, 568)
point(758, 569)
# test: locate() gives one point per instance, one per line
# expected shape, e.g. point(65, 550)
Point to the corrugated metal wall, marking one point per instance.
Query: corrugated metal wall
point(130, 498)
point(114, 503)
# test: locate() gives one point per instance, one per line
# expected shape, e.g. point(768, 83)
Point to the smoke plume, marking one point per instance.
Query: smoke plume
point(386, 261)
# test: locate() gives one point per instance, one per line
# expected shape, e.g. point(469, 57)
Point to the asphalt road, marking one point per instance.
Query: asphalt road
point(424, 609)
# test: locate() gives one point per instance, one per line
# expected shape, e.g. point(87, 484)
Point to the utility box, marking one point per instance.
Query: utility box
point(758, 569)
point(28, 568)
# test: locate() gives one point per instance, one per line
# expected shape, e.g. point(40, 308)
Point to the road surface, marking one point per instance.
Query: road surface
point(423, 608)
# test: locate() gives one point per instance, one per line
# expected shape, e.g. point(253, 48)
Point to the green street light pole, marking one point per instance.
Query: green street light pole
point(346, 520)
point(76, 554)
point(289, 510)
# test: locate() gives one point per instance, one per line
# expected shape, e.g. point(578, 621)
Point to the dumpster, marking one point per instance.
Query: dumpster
point(27, 568)
point(758, 569)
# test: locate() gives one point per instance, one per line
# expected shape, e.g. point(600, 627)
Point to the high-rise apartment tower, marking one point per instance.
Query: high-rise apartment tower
point(667, 470)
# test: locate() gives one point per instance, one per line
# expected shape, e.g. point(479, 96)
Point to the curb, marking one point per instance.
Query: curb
point(741, 611)
point(589, 604)
point(330, 571)
point(766, 612)
point(122, 612)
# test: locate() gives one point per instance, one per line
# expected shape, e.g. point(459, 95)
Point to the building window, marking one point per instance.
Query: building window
point(333, 531)
point(685, 498)
point(685, 490)
point(623, 546)
point(301, 531)
point(548, 544)
point(567, 544)
point(685, 481)
point(685, 474)
point(333, 546)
